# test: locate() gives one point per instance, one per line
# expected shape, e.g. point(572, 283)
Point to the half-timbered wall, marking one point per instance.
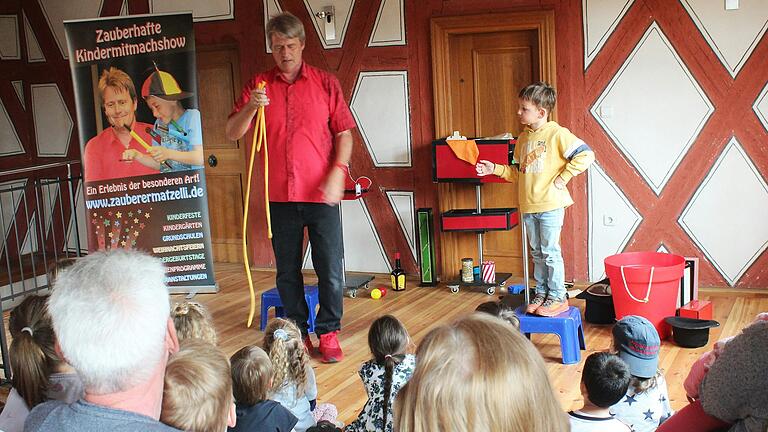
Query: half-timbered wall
point(672, 96)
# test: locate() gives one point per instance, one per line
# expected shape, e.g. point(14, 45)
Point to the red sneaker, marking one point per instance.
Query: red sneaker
point(308, 346)
point(330, 348)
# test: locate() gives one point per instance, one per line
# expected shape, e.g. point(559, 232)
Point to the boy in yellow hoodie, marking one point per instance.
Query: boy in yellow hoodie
point(547, 156)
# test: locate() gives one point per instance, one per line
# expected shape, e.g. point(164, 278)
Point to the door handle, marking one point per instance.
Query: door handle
point(212, 161)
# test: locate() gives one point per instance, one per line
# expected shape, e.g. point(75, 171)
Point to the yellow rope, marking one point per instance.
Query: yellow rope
point(259, 136)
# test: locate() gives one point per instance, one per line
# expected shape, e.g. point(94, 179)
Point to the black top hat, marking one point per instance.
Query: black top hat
point(599, 308)
point(690, 332)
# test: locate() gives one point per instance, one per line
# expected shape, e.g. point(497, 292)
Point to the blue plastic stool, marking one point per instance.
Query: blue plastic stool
point(567, 326)
point(271, 298)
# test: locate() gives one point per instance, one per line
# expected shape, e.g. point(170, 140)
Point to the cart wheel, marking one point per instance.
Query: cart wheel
point(502, 283)
point(490, 290)
point(352, 293)
point(366, 285)
point(454, 288)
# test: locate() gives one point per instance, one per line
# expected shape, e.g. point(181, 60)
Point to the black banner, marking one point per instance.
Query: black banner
point(141, 139)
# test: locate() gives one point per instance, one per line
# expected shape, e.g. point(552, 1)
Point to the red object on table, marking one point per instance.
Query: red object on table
point(700, 309)
point(491, 219)
point(446, 167)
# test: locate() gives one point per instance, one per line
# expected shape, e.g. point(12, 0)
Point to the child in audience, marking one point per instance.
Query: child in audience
point(478, 374)
point(192, 320)
point(251, 383)
point(646, 404)
point(324, 426)
point(500, 310)
point(197, 393)
point(384, 375)
point(726, 386)
point(294, 384)
point(39, 373)
point(701, 366)
point(548, 156)
point(604, 382)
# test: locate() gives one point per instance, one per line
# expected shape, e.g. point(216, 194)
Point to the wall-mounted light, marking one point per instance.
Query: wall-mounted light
point(328, 15)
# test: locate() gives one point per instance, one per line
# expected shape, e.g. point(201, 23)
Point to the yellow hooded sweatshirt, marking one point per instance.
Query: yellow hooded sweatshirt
point(541, 156)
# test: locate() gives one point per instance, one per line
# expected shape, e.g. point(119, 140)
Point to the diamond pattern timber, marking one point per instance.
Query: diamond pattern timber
point(652, 135)
point(730, 247)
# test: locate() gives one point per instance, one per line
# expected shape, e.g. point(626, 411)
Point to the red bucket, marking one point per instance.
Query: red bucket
point(645, 284)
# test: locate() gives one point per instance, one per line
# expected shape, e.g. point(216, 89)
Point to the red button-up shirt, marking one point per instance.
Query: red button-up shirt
point(302, 120)
point(103, 154)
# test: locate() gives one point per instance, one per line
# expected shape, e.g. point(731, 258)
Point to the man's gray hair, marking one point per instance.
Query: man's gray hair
point(110, 312)
point(287, 25)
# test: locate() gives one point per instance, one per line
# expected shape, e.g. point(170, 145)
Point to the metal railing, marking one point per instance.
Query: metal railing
point(41, 225)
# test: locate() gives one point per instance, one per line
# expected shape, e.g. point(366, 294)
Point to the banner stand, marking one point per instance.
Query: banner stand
point(141, 141)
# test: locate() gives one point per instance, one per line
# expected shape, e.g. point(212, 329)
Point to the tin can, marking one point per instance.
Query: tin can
point(489, 272)
point(467, 270)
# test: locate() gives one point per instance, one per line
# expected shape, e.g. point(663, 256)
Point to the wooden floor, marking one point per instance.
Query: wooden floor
point(422, 308)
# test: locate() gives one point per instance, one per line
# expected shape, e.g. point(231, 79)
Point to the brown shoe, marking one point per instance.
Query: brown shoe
point(537, 301)
point(552, 307)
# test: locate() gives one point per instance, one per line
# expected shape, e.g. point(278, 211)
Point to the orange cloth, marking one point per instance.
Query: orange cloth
point(465, 150)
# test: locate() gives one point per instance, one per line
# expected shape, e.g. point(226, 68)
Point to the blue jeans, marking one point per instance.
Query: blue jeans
point(544, 238)
point(324, 227)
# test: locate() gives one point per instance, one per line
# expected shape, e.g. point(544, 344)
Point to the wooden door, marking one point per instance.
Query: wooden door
point(480, 63)
point(218, 77)
point(489, 71)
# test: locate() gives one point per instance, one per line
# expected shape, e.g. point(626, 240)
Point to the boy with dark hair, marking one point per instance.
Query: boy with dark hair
point(604, 382)
point(548, 156)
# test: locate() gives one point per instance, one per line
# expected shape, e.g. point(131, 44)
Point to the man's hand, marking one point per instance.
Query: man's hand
point(484, 168)
point(333, 187)
point(258, 98)
point(559, 183)
point(129, 155)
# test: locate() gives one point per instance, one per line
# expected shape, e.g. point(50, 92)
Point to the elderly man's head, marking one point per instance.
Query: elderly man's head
point(110, 312)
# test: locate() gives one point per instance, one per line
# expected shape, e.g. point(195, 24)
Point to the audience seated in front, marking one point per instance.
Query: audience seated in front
point(197, 395)
point(501, 310)
point(478, 374)
point(646, 404)
point(294, 384)
point(111, 315)
point(251, 383)
point(384, 375)
point(729, 384)
point(39, 372)
point(604, 382)
point(192, 320)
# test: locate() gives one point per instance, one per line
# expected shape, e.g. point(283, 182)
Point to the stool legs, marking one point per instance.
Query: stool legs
point(271, 299)
point(566, 326)
point(569, 346)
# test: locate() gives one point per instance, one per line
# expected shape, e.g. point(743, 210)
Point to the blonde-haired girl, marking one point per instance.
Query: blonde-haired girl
point(478, 374)
point(192, 320)
point(294, 384)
